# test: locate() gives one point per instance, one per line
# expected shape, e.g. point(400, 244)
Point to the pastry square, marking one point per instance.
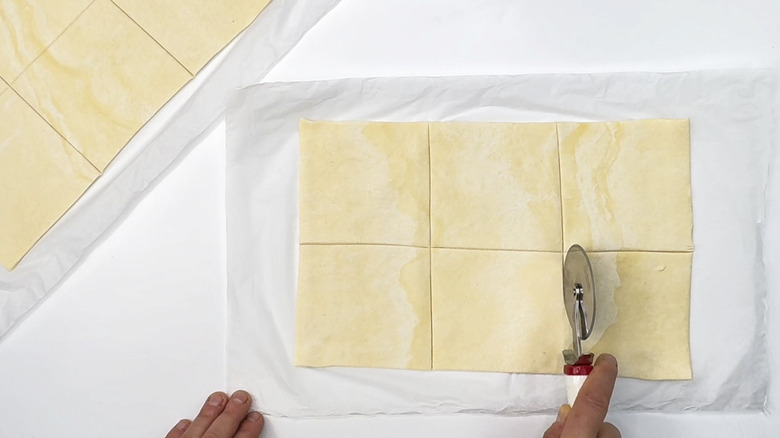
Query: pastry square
point(627, 185)
point(101, 81)
point(645, 298)
point(363, 306)
point(27, 27)
point(498, 311)
point(195, 31)
point(364, 182)
point(41, 175)
point(495, 186)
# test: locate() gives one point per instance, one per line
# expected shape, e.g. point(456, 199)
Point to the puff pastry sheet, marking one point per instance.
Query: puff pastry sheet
point(87, 75)
point(456, 231)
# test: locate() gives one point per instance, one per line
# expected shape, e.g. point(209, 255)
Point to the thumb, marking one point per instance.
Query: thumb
point(556, 429)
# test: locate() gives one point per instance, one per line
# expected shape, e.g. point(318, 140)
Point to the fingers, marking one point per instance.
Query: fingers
point(563, 413)
point(590, 408)
point(555, 430)
point(179, 429)
point(221, 417)
point(251, 426)
point(236, 409)
point(208, 413)
point(607, 430)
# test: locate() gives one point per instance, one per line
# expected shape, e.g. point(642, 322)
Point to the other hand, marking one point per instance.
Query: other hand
point(222, 417)
point(586, 418)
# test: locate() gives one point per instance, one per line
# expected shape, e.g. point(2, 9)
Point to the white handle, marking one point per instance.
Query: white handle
point(573, 385)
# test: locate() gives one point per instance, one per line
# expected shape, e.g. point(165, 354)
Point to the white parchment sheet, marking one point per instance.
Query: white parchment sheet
point(731, 114)
point(178, 126)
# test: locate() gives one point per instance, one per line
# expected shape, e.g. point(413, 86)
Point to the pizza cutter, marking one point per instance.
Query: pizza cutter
point(579, 297)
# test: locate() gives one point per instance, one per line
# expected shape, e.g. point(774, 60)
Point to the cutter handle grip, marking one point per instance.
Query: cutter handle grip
point(573, 386)
point(576, 374)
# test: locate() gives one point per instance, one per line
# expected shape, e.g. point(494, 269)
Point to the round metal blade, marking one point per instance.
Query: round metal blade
point(577, 271)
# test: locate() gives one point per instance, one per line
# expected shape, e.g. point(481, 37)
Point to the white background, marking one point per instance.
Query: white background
point(134, 339)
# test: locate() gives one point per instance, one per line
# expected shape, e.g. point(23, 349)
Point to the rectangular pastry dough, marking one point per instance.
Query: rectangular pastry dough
point(487, 251)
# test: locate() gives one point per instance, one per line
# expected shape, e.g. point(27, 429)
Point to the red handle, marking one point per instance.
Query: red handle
point(582, 367)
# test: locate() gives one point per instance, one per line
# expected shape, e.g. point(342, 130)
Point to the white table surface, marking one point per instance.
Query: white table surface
point(134, 339)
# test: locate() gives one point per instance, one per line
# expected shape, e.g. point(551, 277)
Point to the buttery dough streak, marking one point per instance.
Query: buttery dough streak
point(626, 185)
point(593, 171)
point(364, 183)
point(361, 305)
point(495, 186)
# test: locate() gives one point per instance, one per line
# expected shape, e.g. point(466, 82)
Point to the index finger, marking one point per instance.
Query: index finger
point(590, 407)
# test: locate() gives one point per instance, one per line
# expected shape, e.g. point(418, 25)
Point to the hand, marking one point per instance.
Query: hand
point(586, 418)
point(222, 418)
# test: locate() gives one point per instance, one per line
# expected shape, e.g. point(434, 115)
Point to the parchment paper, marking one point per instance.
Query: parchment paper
point(175, 129)
point(731, 115)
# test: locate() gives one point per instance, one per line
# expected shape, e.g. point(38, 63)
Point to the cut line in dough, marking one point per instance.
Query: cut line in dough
point(495, 301)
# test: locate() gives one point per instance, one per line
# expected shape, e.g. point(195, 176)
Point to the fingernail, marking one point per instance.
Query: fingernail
point(253, 416)
point(563, 412)
point(182, 424)
point(238, 397)
point(610, 359)
point(215, 400)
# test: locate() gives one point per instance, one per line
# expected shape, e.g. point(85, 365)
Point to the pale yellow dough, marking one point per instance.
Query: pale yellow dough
point(41, 176)
point(363, 306)
point(495, 185)
point(497, 311)
point(651, 336)
point(100, 81)
point(364, 183)
point(626, 185)
point(96, 74)
point(193, 30)
point(27, 27)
